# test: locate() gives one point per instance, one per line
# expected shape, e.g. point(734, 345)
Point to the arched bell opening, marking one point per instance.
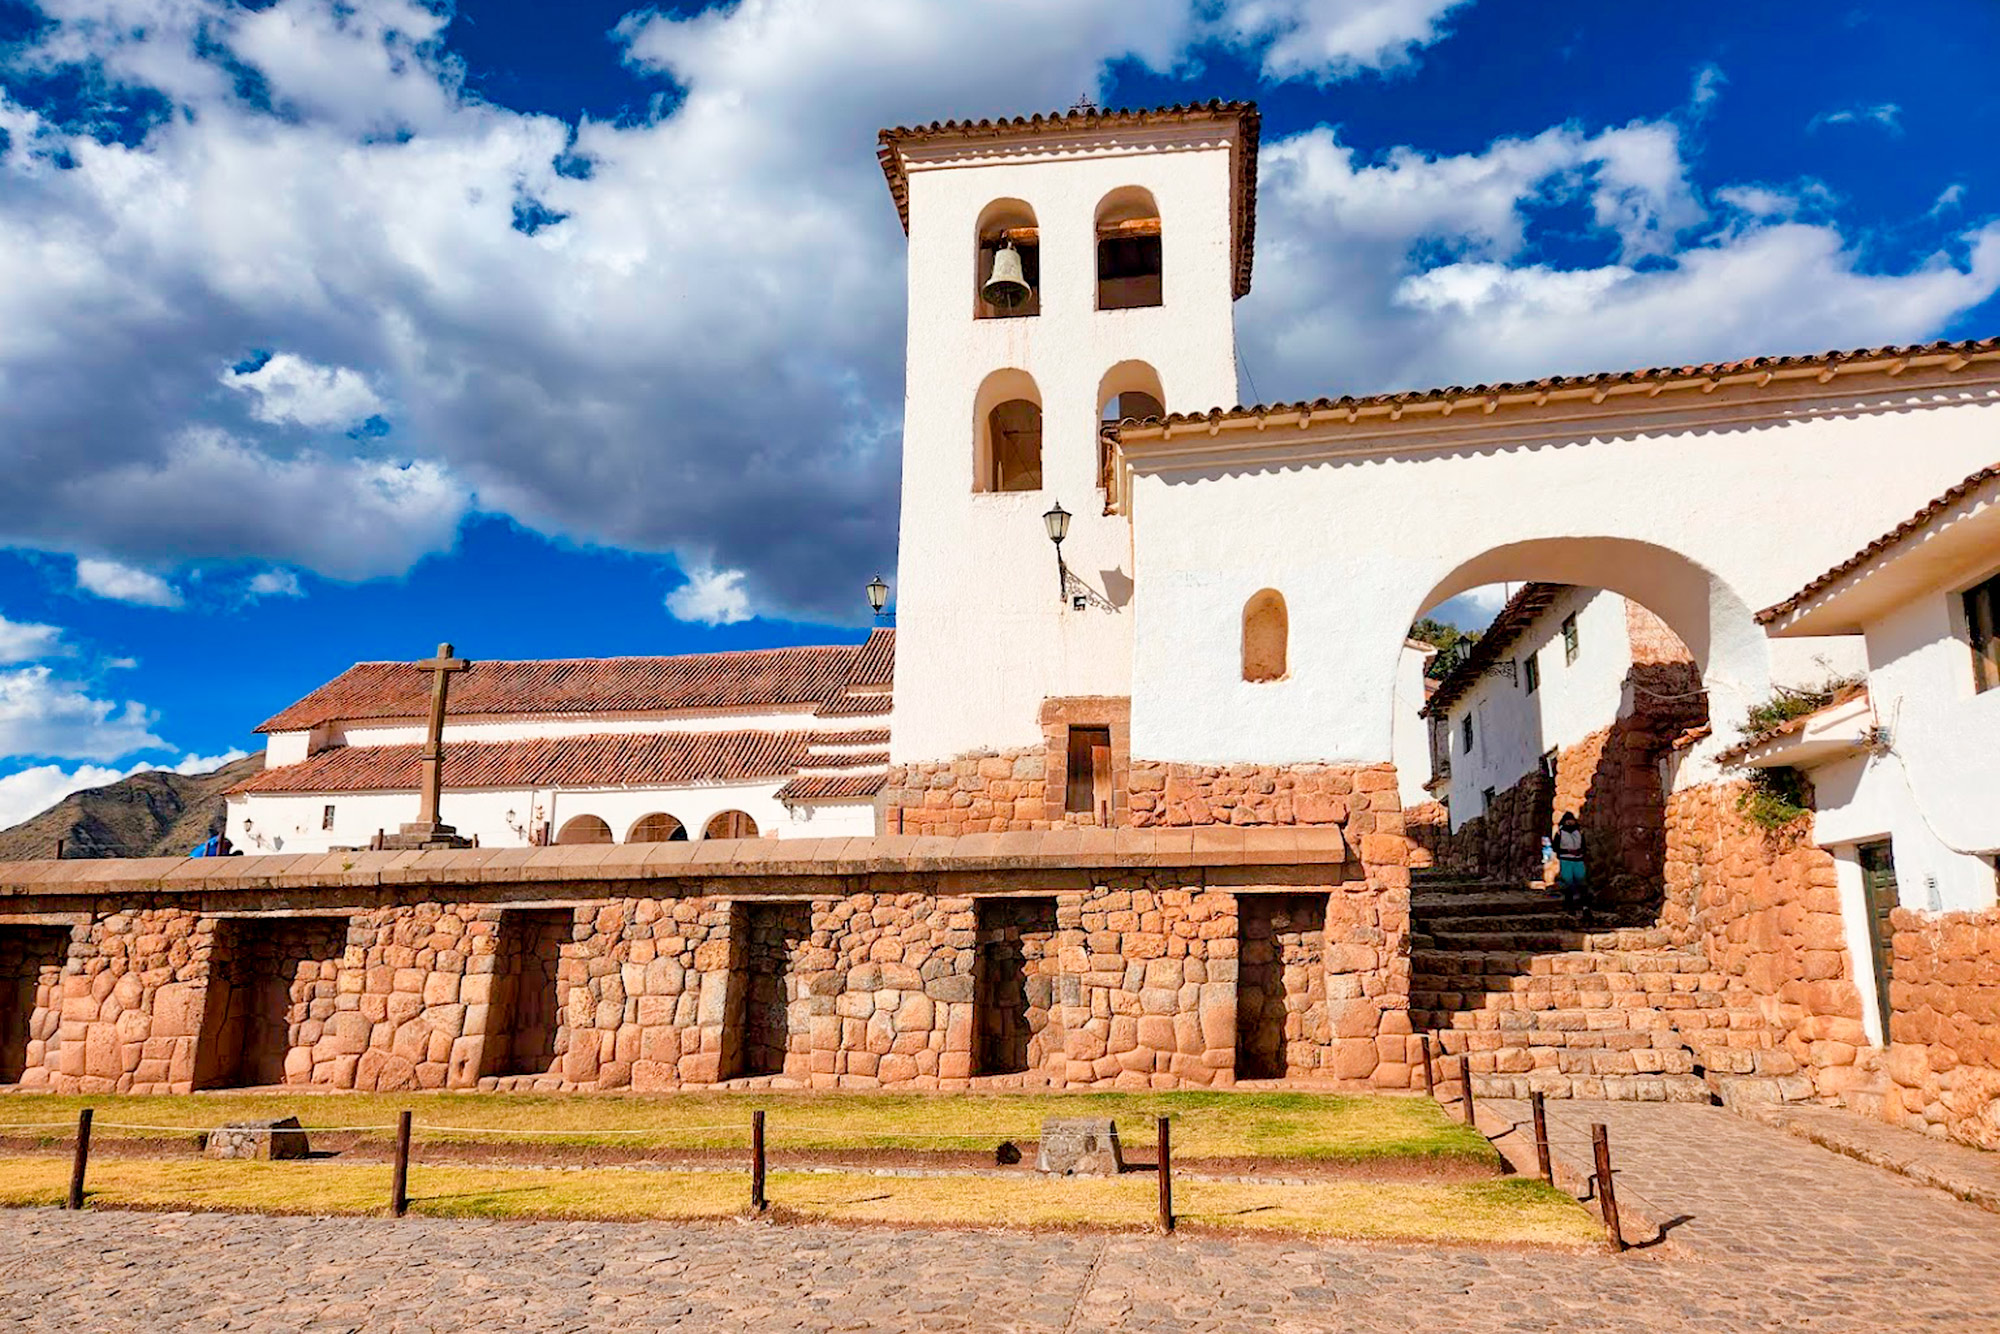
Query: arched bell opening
point(1130, 260)
point(1007, 452)
point(1007, 268)
point(1129, 391)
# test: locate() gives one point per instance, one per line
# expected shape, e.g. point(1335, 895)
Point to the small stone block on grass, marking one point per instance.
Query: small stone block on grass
point(1080, 1146)
point(266, 1141)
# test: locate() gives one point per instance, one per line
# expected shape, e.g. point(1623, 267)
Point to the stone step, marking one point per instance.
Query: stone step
point(1483, 903)
point(1554, 1022)
point(1615, 1088)
point(1434, 962)
point(1737, 1091)
point(1542, 940)
point(1540, 994)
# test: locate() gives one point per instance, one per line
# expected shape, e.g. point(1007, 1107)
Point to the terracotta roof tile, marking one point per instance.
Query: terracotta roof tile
point(1245, 114)
point(832, 787)
point(1961, 348)
point(1880, 544)
point(595, 760)
point(816, 676)
point(1845, 695)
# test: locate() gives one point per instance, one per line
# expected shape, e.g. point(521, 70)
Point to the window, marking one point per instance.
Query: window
point(1531, 673)
point(326, 816)
point(1486, 800)
point(1569, 638)
point(1129, 258)
point(1008, 239)
point(1087, 790)
point(1982, 631)
point(1549, 766)
point(1465, 732)
point(1266, 628)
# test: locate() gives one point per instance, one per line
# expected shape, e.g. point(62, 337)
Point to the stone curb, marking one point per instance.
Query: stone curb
point(1960, 1171)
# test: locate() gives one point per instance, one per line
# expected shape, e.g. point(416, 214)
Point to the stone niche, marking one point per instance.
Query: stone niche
point(1014, 984)
point(31, 964)
point(526, 1036)
point(1281, 1014)
point(764, 980)
point(271, 990)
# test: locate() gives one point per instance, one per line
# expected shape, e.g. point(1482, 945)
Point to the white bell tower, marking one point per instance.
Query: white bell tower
point(1131, 233)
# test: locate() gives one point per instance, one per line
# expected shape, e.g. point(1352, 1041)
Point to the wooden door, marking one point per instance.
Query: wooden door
point(1879, 899)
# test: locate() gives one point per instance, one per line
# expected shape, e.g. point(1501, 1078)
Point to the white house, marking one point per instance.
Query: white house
point(772, 742)
point(1906, 771)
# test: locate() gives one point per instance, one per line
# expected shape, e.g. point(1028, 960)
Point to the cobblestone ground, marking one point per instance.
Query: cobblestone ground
point(1778, 1235)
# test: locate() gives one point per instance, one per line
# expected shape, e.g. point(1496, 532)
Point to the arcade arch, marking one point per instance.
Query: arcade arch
point(659, 827)
point(584, 829)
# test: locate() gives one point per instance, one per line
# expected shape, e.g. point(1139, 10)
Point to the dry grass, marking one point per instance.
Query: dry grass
point(1486, 1212)
point(1319, 1127)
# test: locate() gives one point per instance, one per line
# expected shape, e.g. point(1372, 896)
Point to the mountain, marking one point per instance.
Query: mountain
point(153, 814)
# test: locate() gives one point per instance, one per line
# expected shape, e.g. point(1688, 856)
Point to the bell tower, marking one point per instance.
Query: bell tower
point(1063, 271)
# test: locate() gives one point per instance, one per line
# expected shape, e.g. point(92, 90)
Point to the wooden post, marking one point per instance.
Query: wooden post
point(399, 1192)
point(1430, 1079)
point(1465, 1084)
point(1607, 1196)
point(1166, 1171)
point(757, 1201)
point(82, 1160)
point(1535, 1101)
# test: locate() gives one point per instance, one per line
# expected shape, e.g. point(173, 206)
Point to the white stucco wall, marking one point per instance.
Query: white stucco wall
point(1688, 507)
point(1412, 740)
point(1513, 729)
point(982, 636)
point(1935, 792)
point(290, 822)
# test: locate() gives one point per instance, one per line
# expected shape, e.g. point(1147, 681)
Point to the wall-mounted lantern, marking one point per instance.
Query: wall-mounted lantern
point(1057, 523)
point(878, 595)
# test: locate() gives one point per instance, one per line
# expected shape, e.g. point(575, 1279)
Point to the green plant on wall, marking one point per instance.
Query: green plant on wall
point(1775, 797)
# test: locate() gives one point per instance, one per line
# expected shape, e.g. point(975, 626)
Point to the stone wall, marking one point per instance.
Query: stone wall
point(1117, 977)
point(1944, 1063)
point(1764, 907)
point(993, 792)
point(1503, 843)
point(31, 968)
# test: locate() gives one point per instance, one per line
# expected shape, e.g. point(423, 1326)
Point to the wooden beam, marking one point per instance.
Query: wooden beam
point(1109, 230)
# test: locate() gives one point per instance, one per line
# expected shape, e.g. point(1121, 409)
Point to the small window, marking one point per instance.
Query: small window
point(1266, 628)
point(1549, 766)
point(1087, 790)
point(326, 817)
point(1982, 631)
point(1465, 733)
point(1486, 800)
point(1531, 673)
point(1569, 638)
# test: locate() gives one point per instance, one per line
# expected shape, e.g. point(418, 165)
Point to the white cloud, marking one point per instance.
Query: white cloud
point(1951, 197)
point(1708, 85)
point(290, 389)
point(43, 715)
point(711, 597)
point(28, 792)
point(25, 641)
point(1475, 608)
point(1329, 39)
point(122, 583)
point(1888, 115)
point(275, 584)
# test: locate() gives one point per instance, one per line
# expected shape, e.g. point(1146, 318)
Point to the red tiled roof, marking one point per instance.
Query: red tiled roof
point(1693, 376)
point(1846, 694)
point(1245, 114)
point(832, 787)
point(873, 736)
point(859, 706)
point(596, 760)
point(817, 675)
point(1514, 618)
point(1880, 544)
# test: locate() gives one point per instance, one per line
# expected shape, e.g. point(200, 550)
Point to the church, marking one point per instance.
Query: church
point(1166, 828)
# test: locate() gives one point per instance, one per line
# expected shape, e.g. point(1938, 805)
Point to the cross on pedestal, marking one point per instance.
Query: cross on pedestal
point(428, 831)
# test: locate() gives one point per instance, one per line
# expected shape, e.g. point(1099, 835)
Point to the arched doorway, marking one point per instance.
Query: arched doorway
point(659, 827)
point(730, 824)
point(584, 829)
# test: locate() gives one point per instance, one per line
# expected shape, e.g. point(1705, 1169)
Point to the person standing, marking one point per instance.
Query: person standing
point(1571, 877)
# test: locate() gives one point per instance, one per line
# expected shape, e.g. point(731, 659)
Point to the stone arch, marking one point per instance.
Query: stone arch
point(730, 824)
point(1130, 261)
point(1003, 223)
point(1007, 427)
point(584, 829)
point(1266, 636)
point(658, 827)
point(1129, 391)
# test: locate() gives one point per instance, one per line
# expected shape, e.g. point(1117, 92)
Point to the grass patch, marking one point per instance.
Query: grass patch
point(1502, 1211)
point(1318, 1127)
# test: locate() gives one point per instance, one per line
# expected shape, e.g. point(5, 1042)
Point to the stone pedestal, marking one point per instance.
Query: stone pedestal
point(423, 838)
point(266, 1141)
point(1080, 1146)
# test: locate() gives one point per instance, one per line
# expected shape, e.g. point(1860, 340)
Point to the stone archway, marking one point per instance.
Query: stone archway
point(584, 829)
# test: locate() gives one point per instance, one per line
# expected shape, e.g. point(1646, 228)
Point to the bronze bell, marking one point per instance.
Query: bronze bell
point(1008, 287)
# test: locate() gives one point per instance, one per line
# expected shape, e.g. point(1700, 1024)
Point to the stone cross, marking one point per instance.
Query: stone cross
point(441, 668)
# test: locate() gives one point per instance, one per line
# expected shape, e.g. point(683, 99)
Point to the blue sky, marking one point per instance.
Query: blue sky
point(327, 332)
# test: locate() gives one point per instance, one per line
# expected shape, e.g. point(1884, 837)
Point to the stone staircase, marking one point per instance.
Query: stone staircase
point(1539, 1002)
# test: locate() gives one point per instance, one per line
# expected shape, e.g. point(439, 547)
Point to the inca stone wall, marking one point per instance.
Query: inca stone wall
point(31, 968)
point(474, 978)
point(1281, 1016)
point(1944, 1063)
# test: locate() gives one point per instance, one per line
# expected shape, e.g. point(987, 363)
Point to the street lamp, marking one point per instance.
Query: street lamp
point(878, 594)
point(1057, 522)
